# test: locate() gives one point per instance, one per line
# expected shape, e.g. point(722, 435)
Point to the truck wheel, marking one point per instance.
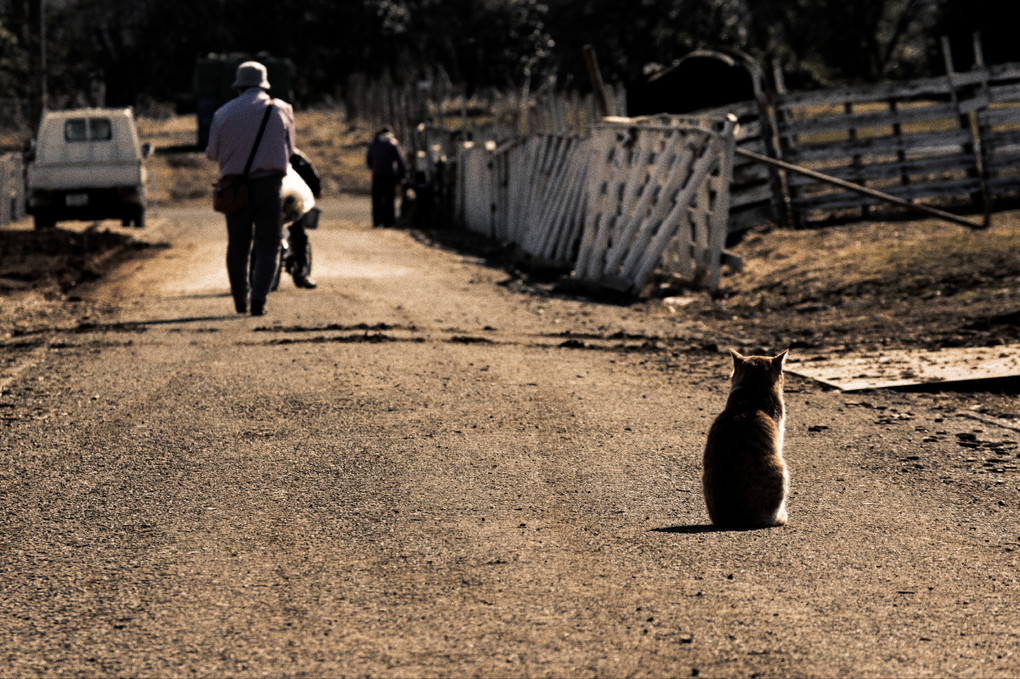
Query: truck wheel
point(43, 221)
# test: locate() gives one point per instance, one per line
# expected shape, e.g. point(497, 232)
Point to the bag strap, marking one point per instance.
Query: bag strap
point(258, 138)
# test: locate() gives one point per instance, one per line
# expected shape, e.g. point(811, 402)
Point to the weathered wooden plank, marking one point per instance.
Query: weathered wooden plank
point(660, 200)
point(610, 221)
point(477, 186)
point(516, 169)
point(742, 218)
point(898, 368)
point(997, 141)
point(599, 177)
point(661, 183)
point(937, 143)
point(565, 230)
point(867, 191)
point(524, 185)
point(1000, 93)
point(564, 182)
point(567, 182)
point(922, 89)
point(550, 200)
point(573, 217)
point(650, 256)
point(565, 245)
point(1004, 186)
point(1005, 71)
point(999, 116)
point(1003, 162)
point(763, 194)
point(974, 102)
point(671, 167)
point(544, 149)
point(719, 218)
point(845, 200)
point(642, 148)
point(915, 170)
point(935, 112)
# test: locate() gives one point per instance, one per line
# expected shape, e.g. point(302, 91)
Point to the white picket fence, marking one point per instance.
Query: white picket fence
point(12, 188)
point(636, 197)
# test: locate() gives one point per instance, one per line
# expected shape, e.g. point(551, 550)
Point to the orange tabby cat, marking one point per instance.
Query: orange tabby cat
point(745, 478)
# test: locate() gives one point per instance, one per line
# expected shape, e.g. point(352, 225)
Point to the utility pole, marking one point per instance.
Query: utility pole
point(36, 34)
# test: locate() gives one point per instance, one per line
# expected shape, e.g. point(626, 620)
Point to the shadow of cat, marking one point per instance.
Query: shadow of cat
point(695, 529)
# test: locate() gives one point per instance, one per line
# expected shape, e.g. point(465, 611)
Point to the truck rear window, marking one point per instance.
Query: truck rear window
point(88, 129)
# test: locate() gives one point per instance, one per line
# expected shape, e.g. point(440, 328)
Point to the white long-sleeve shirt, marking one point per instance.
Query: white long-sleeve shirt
point(235, 126)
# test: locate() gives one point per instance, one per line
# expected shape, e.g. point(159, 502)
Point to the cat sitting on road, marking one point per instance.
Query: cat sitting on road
point(745, 479)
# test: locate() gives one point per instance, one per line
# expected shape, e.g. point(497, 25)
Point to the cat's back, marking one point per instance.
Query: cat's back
point(743, 433)
point(744, 475)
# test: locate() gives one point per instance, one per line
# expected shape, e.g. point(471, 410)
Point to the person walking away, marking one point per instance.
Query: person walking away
point(255, 229)
point(386, 161)
point(300, 264)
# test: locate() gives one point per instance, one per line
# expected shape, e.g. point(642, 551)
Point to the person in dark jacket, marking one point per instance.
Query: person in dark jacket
point(389, 169)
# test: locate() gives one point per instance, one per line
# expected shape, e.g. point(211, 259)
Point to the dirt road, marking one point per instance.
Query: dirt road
point(420, 469)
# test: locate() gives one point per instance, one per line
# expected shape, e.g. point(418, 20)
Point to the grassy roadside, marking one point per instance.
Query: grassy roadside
point(335, 146)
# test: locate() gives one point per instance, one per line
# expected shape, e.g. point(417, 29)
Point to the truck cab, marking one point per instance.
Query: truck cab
point(87, 164)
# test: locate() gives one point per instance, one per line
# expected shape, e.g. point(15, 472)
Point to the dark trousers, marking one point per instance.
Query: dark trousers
point(255, 231)
point(384, 188)
point(300, 260)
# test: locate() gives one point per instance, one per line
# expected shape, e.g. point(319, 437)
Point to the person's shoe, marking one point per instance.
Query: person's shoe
point(240, 306)
point(258, 308)
point(305, 282)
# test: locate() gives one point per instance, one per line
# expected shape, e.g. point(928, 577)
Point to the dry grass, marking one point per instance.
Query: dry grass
point(902, 256)
point(182, 173)
point(922, 283)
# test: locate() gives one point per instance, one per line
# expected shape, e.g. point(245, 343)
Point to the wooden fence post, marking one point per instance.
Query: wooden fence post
point(597, 84)
point(782, 144)
point(967, 121)
point(855, 159)
point(976, 131)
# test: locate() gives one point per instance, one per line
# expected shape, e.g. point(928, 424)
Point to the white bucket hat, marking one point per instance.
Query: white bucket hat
point(251, 74)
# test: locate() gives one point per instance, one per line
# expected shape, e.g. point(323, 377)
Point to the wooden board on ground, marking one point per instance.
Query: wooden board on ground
point(882, 369)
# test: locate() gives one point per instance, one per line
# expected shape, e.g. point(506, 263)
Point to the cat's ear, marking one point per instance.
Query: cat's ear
point(737, 358)
point(779, 361)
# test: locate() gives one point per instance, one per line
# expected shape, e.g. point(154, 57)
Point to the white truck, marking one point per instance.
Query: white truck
point(87, 164)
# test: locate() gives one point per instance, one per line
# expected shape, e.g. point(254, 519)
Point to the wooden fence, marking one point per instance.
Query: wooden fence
point(658, 198)
point(637, 197)
point(952, 140)
point(756, 189)
point(541, 185)
point(448, 111)
point(12, 188)
point(530, 193)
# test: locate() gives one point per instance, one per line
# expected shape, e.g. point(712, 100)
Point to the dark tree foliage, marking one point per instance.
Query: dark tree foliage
point(824, 42)
point(992, 19)
point(13, 64)
point(630, 36)
point(145, 50)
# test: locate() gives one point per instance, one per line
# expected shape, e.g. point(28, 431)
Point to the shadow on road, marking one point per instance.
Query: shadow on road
point(129, 325)
point(703, 528)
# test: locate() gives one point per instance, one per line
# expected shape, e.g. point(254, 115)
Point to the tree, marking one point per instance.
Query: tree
point(961, 19)
point(128, 51)
point(13, 65)
point(824, 42)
